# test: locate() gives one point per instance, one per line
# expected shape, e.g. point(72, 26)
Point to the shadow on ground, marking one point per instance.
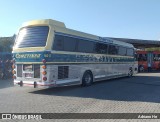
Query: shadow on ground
point(138, 88)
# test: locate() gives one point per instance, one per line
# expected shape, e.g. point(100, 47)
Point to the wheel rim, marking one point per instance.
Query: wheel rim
point(130, 73)
point(88, 78)
point(141, 68)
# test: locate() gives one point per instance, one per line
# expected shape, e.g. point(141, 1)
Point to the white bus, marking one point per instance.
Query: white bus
point(47, 54)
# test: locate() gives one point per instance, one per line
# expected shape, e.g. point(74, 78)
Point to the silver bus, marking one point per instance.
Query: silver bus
point(47, 54)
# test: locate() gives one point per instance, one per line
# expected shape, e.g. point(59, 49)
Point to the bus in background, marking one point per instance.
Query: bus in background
point(142, 60)
point(148, 57)
point(47, 54)
point(156, 60)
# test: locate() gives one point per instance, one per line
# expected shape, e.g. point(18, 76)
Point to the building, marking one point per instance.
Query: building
point(139, 43)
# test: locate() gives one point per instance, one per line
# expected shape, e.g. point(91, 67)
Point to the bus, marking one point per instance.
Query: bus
point(145, 57)
point(47, 54)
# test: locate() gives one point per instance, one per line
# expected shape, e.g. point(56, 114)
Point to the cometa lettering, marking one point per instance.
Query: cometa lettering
point(28, 55)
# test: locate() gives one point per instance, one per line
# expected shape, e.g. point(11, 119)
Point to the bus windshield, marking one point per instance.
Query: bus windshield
point(34, 36)
point(142, 57)
point(156, 57)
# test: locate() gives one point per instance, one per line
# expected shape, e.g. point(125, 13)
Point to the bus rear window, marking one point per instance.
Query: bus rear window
point(35, 36)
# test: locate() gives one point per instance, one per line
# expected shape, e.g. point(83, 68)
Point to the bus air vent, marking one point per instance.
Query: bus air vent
point(63, 72)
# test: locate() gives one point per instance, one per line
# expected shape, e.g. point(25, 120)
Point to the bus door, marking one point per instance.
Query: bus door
point(156, 60)
point(150, 58)
point(142, 60)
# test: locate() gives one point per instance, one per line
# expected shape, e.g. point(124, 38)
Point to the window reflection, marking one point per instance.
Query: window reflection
point(142, 57)
point(156, 57)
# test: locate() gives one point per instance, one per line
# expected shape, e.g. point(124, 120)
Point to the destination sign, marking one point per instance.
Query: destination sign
point(28, 56)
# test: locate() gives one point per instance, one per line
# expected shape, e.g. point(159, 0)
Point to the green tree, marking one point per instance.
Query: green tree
point(6, 43)
point(153, 49)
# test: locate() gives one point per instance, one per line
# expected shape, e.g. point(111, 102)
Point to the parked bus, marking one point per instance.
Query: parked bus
point(47, 54)
point(146, 57)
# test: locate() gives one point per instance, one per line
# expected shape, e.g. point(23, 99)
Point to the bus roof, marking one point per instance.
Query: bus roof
point(44, 22)
point(61, 28)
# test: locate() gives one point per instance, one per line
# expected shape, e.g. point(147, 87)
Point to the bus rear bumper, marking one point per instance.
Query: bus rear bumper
point(34, 84)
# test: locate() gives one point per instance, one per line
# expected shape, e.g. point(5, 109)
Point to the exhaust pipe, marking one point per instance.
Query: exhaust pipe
point(20, 83)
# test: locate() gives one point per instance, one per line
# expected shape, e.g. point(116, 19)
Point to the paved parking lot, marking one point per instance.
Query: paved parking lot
point(139, 94)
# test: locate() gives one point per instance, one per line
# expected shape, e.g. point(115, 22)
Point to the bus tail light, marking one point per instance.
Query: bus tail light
point(14, 77)
point(44, 72)
point(44, 67)
point(13, 61)
point(44, 61)
point(13, 72)
point(13, 66)
point(44, 78)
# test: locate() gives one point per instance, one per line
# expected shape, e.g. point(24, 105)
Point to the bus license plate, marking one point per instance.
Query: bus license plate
point(28, 75)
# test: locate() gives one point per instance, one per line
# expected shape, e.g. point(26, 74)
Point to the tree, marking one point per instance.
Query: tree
point(153, 49)
point(6, 43)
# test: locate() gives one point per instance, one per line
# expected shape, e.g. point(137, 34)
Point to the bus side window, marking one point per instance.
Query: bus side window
point(130, 52)
point(122, 51)
point(58, 43)
point(136, 56)
point(113, 49)
point(158, 57)
point(142, 57)
point(101, 48)
point(155, 57)
point(85, 46)
point(69, 44)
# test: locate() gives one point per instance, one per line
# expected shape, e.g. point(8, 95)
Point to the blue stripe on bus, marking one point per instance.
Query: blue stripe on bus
point(38, 56)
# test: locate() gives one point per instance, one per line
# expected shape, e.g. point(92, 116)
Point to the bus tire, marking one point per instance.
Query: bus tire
point(140, 68)
point(87, 79)
point(130, 73)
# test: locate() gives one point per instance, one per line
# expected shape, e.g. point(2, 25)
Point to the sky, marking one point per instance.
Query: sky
point(136, 19)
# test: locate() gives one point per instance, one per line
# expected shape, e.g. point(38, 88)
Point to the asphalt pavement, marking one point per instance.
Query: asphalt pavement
point(139, 94)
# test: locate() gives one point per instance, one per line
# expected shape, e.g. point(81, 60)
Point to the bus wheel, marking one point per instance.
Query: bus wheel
point(130, 73)
point(141, 69)
point(87, 79)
